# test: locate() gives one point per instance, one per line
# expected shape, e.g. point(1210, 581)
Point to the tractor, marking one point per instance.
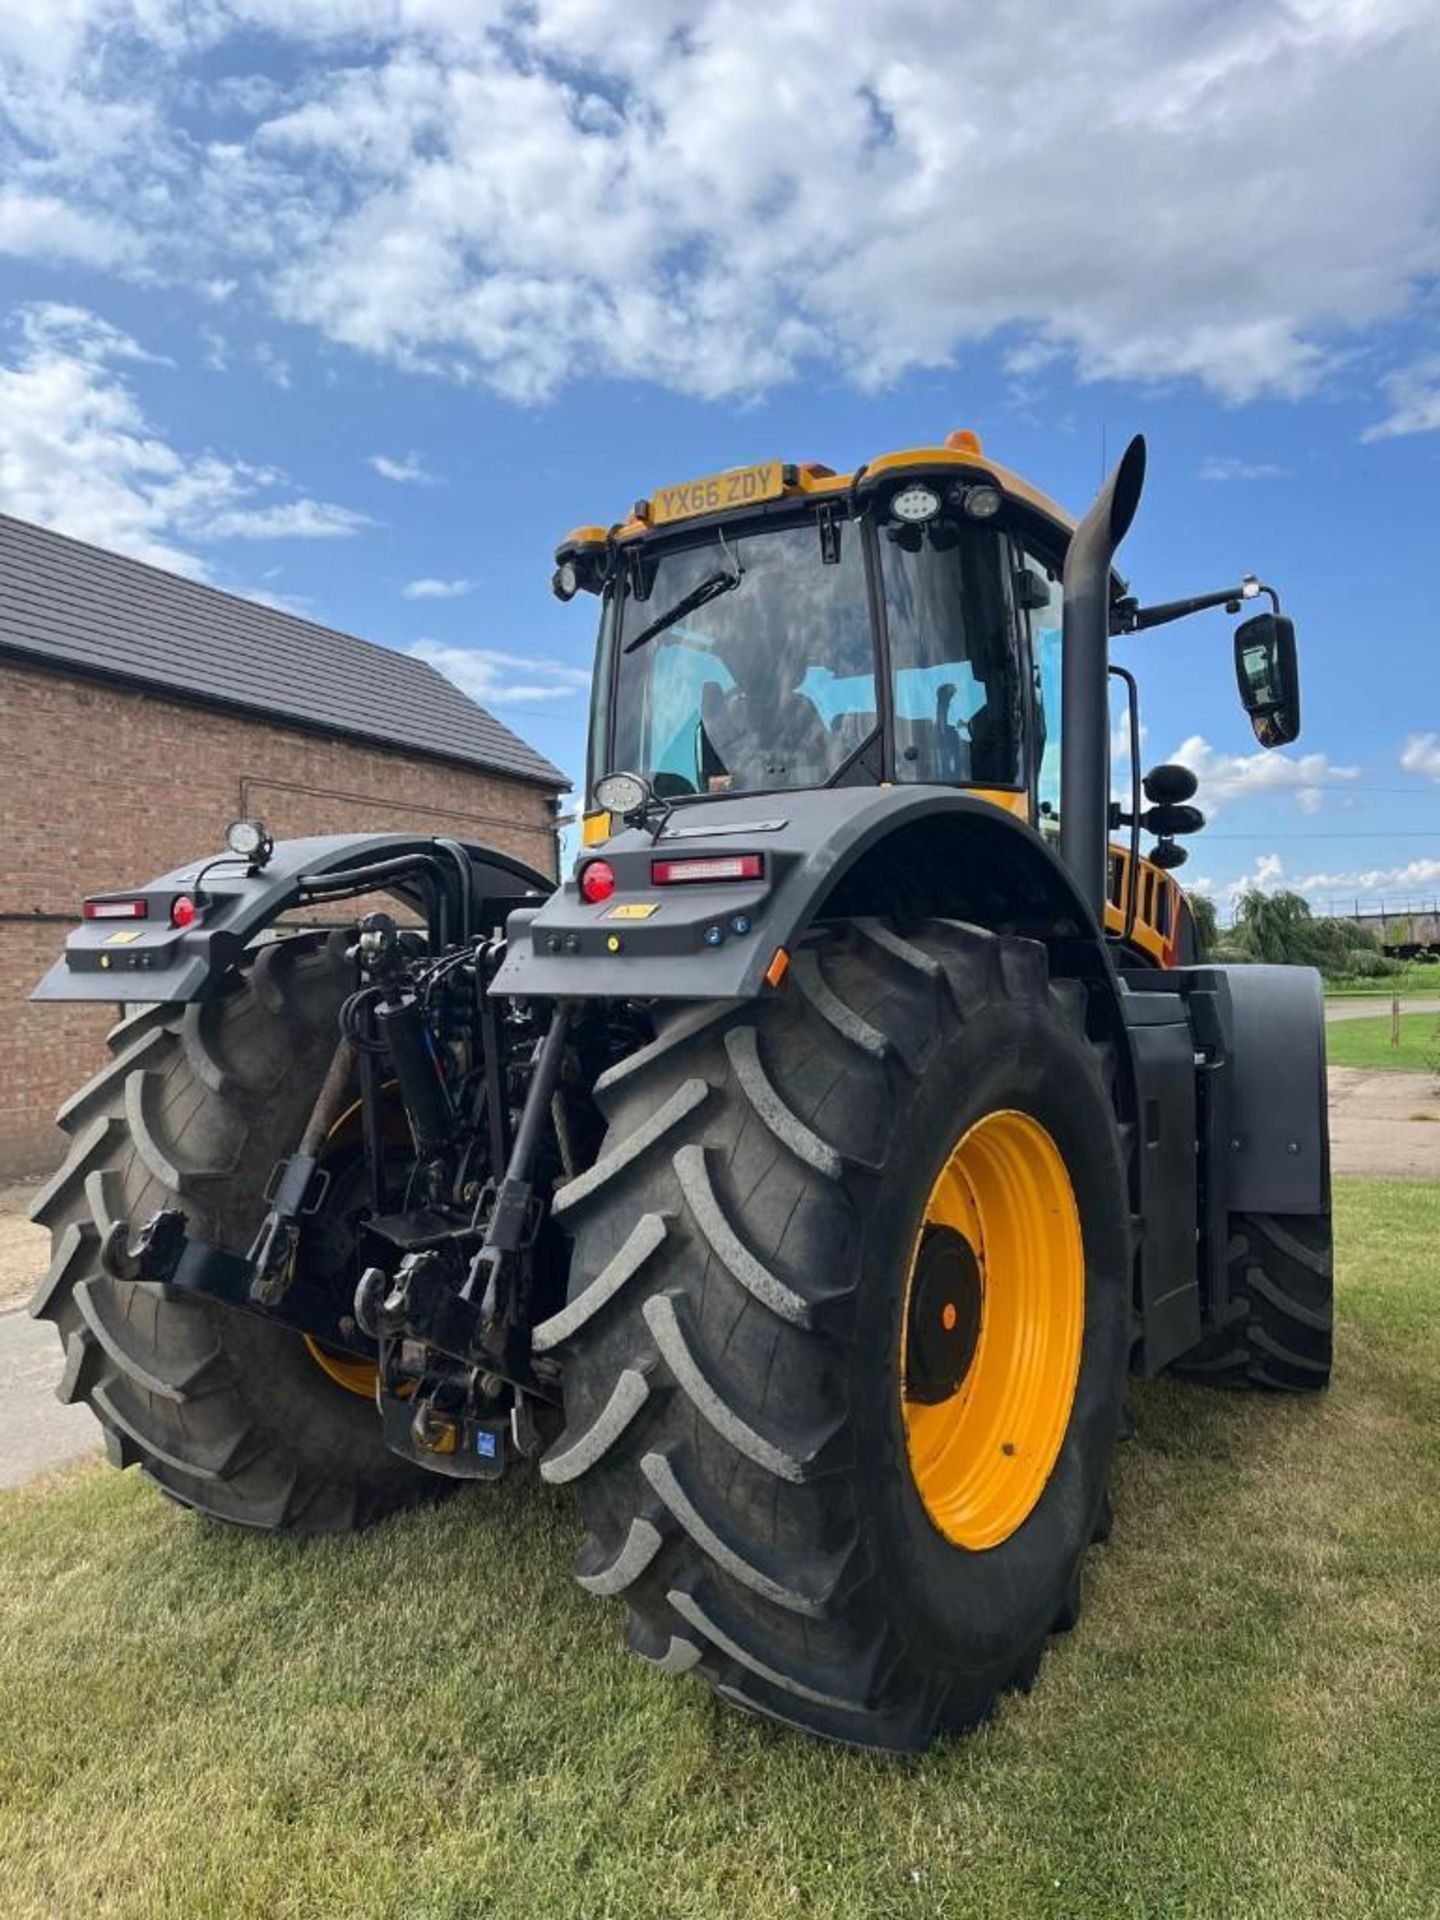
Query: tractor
point(801, 1181)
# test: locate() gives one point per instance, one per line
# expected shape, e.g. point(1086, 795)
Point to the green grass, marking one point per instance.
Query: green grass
point(1414, 978)
point(433, 1722)
point(1366, 1043)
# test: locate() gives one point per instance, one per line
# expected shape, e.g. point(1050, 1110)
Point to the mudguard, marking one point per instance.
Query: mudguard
point(718, 940)
point(1278, 1135)
point(150, 959)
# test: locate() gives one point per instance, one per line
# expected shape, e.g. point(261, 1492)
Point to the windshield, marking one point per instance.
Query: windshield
point(733, 694)
point(749, 665)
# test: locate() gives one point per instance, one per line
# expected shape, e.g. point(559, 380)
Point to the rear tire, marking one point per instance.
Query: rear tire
point(1278, 1331)
point(223, 1411)
point(732, 1337)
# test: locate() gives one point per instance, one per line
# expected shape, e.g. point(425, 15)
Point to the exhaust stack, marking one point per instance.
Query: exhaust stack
point(1085, 685)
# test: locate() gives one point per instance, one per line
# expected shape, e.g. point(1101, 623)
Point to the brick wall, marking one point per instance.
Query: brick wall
point(102, 787)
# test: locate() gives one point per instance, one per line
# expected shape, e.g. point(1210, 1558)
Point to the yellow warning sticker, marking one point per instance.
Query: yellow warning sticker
point(633, 910)
point(125, 938)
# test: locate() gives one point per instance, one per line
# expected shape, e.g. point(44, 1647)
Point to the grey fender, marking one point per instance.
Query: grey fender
point(839, 851)
point(149, 959)
point(1277, 1146)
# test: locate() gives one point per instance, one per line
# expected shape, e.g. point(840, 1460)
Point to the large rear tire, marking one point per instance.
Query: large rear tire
point(224, 1412)
point(746, 1255)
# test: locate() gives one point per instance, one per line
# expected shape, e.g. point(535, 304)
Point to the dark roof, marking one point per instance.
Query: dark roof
point(67, 605)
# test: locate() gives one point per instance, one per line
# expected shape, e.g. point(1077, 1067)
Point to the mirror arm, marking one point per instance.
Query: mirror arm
point(1127, 616)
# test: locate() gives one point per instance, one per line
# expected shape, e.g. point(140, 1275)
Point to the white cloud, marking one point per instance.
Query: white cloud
point(1421, 754)
point(1342, 887)
point(437, 589)
point(78, 452)
point(1225, 777)
point(408, 471)
point(1221, 467)
point(38, 226)
point(285, 520)
point(273, 365)
point(1266, 876)
point(500, 679)
point(1414, 396)
point(533, 194)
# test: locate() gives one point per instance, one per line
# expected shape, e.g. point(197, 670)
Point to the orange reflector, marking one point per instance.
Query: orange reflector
point(777, 968)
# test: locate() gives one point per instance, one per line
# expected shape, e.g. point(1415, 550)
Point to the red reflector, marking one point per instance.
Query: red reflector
point(115, 910)
point(726, 866)
point(183, 911)
point(597, 881)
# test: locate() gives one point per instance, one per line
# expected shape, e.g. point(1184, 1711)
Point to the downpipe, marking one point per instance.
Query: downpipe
point(1085, 663)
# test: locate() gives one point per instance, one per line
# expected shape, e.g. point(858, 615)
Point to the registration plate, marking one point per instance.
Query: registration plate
point(741, 487)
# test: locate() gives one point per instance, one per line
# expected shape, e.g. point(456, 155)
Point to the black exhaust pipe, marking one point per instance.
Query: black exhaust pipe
point(1085, 686)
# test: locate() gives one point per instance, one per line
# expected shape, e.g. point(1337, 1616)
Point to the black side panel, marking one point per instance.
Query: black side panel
point(1279, 1143)
point(1260, 1109)
point(1164, 1050)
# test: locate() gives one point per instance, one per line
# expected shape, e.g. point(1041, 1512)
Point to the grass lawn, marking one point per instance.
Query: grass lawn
point(1366, 1043)
point(434, 1723)
point(1414, 978)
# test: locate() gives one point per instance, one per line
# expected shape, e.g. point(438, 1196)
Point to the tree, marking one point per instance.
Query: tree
point(1280, 928)
point(1207, 925)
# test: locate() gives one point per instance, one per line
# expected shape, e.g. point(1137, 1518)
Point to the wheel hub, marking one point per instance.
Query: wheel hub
point(944, 1324)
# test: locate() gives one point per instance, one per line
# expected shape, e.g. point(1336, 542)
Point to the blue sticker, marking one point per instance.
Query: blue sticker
point(485, 1444)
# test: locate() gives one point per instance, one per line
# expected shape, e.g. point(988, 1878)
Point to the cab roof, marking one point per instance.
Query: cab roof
point(807, 480)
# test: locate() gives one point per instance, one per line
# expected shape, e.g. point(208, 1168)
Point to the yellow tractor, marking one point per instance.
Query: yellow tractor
point(800, 1181)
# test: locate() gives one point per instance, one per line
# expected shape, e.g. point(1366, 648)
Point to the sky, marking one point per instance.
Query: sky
point(358, 305)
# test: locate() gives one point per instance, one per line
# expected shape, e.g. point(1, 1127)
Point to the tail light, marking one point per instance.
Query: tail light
point(115, 910)
point(597, 881)
point(183, 911)
point(707, 867)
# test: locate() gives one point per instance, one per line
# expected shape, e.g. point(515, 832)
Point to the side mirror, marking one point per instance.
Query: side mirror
point(1269, 678)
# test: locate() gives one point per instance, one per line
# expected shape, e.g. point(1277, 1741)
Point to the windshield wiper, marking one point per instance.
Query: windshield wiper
point(723, 580)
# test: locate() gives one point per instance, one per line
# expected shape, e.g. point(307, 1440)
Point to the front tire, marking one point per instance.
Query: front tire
point(1278, 1330)
point(224, 1411)
point(732, 1343)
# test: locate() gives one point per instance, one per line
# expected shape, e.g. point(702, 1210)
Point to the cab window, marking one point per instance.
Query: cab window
point(953, 657)
point(1045, 657)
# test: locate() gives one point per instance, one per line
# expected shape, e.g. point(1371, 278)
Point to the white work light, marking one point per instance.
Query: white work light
point(249, 840)
point(980, 503)
point(622, 793)
point(915, 505)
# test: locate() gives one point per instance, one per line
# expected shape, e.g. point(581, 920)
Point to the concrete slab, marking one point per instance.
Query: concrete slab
point(24, 1249)
point(1368, 1007)
point(1384, 1124)
point(36, 1432)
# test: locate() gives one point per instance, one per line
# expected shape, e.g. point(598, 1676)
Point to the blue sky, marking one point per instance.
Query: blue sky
point(324, 300)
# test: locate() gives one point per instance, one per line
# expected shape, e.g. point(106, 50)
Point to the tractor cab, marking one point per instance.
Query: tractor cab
point(783, 627)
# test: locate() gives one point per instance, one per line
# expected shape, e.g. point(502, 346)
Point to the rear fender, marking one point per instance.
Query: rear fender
point(835, 852)
point(151, 960)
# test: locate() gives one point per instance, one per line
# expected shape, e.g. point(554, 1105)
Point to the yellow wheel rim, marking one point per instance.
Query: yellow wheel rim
point(983, 1445)
point(347, 1370)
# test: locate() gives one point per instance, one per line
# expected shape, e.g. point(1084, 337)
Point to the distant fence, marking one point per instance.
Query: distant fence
point(1405, 932)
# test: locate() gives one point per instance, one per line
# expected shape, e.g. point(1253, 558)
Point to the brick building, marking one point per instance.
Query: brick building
point(140, 712)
